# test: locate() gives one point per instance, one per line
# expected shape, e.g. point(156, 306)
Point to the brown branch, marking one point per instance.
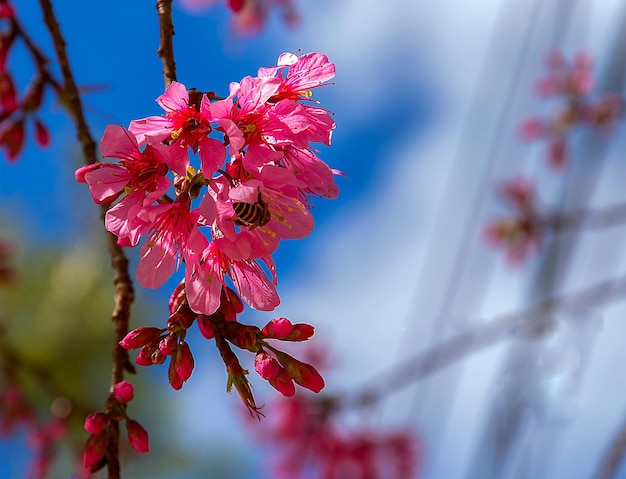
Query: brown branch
point(166, 45)
point(612, 459)
point(124, 294)
point(532, 319)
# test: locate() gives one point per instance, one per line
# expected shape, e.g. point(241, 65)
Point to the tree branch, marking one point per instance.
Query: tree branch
point(124, 293)
point(166, 45)
point(586, 218)
point(531, 319)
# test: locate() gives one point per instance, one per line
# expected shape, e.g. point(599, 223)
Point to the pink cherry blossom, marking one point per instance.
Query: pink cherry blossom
point(186, 124)
point(173, 236)
point(204, 281)
point(303, 73)
point(143, 171)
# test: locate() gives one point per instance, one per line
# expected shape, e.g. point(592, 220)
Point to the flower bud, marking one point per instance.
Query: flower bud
point(173, 377)
point(140, 336)
point(94, 449)
point(42, 136)
point(137, 436)
point(96, 422)
point(123, 391)
point(304, 374)
point(167, 345)
point(283, 329)
point(266, 366)
point(283, 383)
point(184, 361)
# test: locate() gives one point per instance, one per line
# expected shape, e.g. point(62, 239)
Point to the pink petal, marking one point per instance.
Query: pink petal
point(156, 266)
point(118, 142)
point(175, 97)
point(212, 154)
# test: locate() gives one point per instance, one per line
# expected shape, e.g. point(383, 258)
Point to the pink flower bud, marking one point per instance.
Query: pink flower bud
point(8, 98)
point(94, 449)
point(42, 136)
point(140, 336)
point(278, 328)
point(236, 5)
point(283, 383)
point(266, 366)
point(184, 361)
point(13, 139)
point(144, 358)
point(304, 374)
point(283, 329)
point(204, 325)
point(172, 375)
point(96, 422)
point(123, 391)
point(137, 436)
point(177, 297)
point(6, 11)
point(557, 154)
point(168, 344)
point(532, 128)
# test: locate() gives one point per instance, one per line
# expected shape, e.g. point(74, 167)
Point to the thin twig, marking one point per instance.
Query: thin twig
point(124, 294)
point(166, 44)
point(459, 347)
point(586, 218)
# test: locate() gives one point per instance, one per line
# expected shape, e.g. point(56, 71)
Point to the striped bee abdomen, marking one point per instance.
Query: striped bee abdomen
point(251, 214)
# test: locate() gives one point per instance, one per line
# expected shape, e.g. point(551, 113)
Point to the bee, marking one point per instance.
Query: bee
point(252, 215)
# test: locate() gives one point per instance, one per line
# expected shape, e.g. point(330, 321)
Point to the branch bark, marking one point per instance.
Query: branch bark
point(166, 44)
point(124, 294)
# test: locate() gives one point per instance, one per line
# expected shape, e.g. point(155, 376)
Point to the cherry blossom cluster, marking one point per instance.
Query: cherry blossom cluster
point(309, 443)
point(520, 233)
point(17, 110)
point(249, 16)
point(222, 217)
point(98, 424)
point(571, 85)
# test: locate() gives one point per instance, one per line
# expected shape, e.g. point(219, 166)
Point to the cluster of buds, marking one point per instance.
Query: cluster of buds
point(98, 425)
point(15, 110)
point(310, 443)
point(224, 217)
point(520, 233)
point(571, 85)
point(278, 368)
point(249, 16)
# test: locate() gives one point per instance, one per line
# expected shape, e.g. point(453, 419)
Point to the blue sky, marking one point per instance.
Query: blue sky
point(425, 97)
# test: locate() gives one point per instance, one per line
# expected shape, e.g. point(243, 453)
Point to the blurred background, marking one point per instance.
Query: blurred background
point(428, 98)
